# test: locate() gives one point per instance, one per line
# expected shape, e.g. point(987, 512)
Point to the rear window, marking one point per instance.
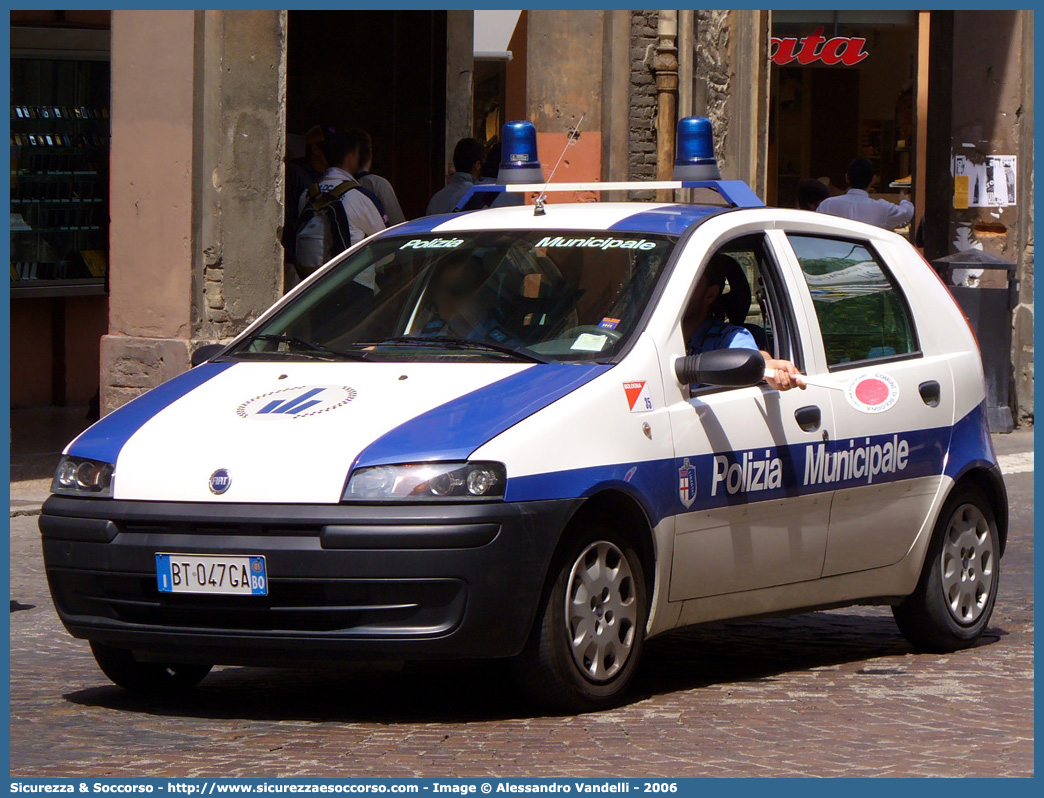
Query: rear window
point(863, 315)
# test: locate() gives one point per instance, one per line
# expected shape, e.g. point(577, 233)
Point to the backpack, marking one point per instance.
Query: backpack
point(323, 231)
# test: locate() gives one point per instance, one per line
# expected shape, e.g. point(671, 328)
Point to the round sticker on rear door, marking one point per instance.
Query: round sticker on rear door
point(300, 402)
point(872, 393)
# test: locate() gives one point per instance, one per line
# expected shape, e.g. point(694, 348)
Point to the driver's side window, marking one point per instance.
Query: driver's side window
point(737, 302)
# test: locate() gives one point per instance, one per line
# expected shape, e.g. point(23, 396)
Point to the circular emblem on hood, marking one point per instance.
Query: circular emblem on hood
point(220, 481)
point(300, 402)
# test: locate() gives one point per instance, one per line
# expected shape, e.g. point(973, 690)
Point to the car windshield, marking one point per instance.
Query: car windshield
point(516, 294)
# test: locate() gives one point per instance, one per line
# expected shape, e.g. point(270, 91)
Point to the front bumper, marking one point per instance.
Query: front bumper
point(345, 581)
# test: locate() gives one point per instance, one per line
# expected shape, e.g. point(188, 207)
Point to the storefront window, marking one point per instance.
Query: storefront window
point(59, 175)
point(842, 87)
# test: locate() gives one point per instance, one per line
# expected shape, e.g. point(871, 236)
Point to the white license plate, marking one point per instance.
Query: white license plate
point(215, 574)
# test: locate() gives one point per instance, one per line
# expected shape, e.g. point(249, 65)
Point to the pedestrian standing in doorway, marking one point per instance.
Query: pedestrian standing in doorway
point(810, 193)
point(379, 186)
point(468, 156)
point(301, 172)
point(858, 205)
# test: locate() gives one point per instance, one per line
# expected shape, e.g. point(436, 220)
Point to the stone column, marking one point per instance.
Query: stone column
point(732, 89)
point(460, 70)
point(564, 82)
point(151, 236)
point(196, 187)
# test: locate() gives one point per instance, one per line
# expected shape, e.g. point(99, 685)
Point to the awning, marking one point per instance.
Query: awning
point(493, 32)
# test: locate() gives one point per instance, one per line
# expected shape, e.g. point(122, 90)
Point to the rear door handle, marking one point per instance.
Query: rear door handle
point(929, 393)
point(808, 417)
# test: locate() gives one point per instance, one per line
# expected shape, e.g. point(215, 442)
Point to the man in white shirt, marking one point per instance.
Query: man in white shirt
point(342, 153)
point(857, 205)
point(468, 156)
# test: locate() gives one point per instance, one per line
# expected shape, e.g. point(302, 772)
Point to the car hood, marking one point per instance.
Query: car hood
point(290, 432)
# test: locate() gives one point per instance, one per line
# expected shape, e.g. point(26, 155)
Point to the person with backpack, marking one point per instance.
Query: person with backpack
point(337, 211)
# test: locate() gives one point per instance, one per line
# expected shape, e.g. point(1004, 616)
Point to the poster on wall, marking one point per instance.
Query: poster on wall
point(990, 184)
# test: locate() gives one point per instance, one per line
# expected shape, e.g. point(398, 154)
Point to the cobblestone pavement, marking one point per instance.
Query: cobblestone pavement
point(833, 694)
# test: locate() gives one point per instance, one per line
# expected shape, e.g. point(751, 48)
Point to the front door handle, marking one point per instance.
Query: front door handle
point(808, 417)
point(929, 393)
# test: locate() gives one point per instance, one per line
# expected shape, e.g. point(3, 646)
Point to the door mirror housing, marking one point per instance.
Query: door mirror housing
point(205, 353)
point(730, 368)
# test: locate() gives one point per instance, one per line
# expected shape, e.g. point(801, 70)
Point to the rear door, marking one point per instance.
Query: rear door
point(892, 405)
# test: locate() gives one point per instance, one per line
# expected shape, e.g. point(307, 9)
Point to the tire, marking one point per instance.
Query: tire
point(955, 595)
point(601, 574)
point(146, 677)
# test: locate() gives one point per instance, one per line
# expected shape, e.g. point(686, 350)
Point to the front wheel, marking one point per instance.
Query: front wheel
point(954, 598)
point(590, 629)
point(146, 677)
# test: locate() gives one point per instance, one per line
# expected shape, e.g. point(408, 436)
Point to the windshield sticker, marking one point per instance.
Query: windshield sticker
point(588, 342)
point(300, 402)
point(638, 398)
point(432, 243)
point(609, 324)
point(595, 243)
point(872, 393)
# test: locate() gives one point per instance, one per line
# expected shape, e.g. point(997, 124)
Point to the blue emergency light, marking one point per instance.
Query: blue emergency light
point(695, 150)
point(518, 162)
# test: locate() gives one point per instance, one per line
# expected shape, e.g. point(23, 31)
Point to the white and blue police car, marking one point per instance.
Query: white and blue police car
point(481, 436)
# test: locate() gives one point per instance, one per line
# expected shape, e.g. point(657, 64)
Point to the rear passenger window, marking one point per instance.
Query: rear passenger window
point(862, 314)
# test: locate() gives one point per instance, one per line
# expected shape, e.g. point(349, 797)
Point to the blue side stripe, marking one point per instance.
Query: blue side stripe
point(454, 430)
point(106, 438)
point(655, 483)
point(971, 444)
point(669, 219)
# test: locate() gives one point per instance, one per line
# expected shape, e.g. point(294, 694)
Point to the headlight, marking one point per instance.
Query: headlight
point(427, 482)
point(78, 476)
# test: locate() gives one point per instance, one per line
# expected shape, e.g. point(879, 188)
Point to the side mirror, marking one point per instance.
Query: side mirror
point(205, 353)
point(732, 368)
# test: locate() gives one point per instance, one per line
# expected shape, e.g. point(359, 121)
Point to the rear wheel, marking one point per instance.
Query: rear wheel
point(146, 677)
point(954, 598)
point(590, 629)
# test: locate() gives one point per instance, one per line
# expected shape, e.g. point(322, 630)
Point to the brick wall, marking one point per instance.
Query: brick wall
point(641, 148)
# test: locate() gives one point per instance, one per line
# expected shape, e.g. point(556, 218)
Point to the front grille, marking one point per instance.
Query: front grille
point(352, 607)
point(180, 527)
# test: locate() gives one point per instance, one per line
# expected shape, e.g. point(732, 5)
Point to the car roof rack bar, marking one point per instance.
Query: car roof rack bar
point(735, 192)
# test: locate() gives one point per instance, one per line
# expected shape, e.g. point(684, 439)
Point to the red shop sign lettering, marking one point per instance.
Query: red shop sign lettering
point(839, 50)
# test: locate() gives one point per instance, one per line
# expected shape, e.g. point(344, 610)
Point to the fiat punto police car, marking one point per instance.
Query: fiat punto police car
point(481, 436)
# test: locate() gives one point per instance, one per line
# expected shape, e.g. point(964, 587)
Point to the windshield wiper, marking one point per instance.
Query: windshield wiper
point(445, 342)
point(309, 346)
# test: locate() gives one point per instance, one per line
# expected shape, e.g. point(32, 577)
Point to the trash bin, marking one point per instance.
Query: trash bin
point(989, 311)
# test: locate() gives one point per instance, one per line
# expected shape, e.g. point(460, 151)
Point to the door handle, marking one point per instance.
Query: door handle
point(929, 393)
point(808, 417)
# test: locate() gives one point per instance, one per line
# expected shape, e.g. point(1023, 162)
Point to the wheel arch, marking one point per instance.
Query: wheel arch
point(624, 512)
point(988, 479)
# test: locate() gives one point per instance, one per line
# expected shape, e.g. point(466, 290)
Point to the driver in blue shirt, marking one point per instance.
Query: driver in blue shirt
point(705, 327)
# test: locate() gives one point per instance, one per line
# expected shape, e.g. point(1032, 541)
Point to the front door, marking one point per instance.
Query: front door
point(744, 522)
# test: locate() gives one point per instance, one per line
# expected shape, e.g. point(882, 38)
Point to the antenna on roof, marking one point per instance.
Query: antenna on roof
point(573, 137)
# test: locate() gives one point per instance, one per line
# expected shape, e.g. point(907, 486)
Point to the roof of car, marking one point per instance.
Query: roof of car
point(622, 217)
